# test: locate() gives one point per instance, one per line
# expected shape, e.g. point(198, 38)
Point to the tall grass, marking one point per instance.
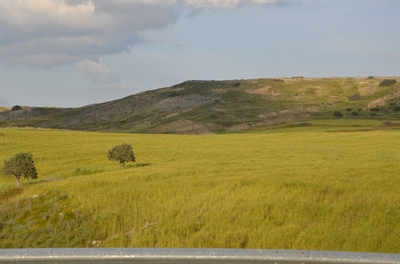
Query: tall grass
point(301, 188)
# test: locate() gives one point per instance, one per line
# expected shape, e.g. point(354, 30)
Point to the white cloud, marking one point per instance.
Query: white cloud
point(35, 16)
point(53, 32)
point(49, 33)
point(98, 71)
point(166, 37)
point(212, 3)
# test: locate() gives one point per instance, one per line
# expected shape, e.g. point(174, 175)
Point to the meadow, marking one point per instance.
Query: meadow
point(330, 185)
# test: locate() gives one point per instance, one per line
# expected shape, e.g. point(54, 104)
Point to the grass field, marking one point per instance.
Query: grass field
point(331, 185)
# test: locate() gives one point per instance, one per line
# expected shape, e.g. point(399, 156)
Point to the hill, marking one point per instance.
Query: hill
point(201, 107)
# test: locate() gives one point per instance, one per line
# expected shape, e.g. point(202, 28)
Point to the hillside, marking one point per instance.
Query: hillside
point(201, 107)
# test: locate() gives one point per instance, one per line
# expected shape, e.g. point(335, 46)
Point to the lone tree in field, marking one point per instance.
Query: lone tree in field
point(20, 165)
point(121, 153)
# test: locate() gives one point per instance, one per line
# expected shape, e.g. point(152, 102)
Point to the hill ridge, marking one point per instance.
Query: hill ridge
point(200, 107)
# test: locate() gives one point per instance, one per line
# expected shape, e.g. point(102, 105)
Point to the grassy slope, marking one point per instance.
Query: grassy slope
point(261, 102)
point(3, 109)
point(284, 188)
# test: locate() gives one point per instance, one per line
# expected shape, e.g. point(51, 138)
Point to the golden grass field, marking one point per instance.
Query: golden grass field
point(330, 186)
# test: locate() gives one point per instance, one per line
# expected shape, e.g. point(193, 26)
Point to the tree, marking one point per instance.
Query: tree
point(121, 153)
point(20, 165)
point(16, 108)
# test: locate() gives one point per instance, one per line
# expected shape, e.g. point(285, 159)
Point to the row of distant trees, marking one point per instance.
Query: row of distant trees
point(23, 165)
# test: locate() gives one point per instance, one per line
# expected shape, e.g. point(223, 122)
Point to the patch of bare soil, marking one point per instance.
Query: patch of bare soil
point(239, 127)
point(262, 90)
point(382, 100)
point(184, 127)
point(313, 109)
point(367, 87)
point(171, 89)
point(320, 91)
point(180, 103)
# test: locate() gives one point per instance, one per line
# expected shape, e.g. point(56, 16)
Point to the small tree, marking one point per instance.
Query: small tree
point(16, 108)
point(121, 153)
point(20, 165)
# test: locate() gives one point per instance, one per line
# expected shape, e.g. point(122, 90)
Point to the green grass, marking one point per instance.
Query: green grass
point(317, 187)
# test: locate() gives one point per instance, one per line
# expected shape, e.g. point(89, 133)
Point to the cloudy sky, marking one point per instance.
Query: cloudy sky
point(70, 53)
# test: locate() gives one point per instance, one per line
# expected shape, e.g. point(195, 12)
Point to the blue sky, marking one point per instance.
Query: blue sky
point(70, 53)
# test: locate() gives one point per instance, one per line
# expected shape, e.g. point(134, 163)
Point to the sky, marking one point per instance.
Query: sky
point(71, 53)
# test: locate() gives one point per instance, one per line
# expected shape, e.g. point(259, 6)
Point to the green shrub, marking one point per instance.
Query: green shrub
point(16, 108)
point(387, 82)
point(354, 97)
point(375, 109)
point(337, 114)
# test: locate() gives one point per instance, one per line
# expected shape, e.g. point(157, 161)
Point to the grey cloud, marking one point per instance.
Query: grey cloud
point(49, 33)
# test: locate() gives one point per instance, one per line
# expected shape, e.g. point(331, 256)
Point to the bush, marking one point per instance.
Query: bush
point(375, 109)
point(354, 97)
point(387, 82)
point(173, 94)
point(16, 108)
point(337, 114)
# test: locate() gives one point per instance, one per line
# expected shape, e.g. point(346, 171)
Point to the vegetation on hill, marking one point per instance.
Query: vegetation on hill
point(4, 109)
point(322, 185)
point(202, 107)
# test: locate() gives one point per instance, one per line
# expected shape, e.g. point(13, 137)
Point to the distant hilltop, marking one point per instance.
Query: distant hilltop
point(201, 107)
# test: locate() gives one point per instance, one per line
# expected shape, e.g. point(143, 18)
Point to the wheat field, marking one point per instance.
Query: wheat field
point(322, 187)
